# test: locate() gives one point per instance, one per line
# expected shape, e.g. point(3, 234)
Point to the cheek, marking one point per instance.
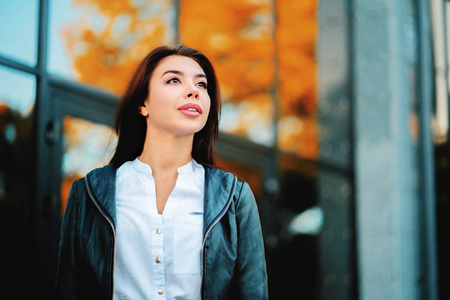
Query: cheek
point(158, 100)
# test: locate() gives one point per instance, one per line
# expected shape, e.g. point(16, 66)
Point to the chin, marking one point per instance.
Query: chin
point(190, 128)
point(187, 131)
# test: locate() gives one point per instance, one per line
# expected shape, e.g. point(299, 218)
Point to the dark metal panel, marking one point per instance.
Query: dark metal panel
point(426, 155)
point(44, 219)
point(83, 91)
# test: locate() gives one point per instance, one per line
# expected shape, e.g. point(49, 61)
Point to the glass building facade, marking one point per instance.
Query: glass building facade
point(309, 89)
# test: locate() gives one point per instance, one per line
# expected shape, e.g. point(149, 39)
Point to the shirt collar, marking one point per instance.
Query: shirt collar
point(190, 167)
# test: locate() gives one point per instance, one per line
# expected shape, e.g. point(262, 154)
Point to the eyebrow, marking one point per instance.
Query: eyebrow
point(181, 73)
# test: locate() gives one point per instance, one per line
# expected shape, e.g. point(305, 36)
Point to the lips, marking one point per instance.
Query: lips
point(191, 109)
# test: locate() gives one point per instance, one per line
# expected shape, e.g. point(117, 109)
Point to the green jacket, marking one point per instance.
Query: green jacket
point(233, 263)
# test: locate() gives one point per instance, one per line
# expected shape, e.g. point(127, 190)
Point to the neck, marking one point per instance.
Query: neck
point(165, 153)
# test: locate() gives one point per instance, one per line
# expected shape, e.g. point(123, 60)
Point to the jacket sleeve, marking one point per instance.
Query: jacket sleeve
point(66, 274)
point(251, 271)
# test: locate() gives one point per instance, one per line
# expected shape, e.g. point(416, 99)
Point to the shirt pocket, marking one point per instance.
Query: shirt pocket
point(188, 238)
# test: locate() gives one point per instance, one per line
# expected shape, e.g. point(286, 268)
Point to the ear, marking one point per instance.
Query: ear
point(143, 110)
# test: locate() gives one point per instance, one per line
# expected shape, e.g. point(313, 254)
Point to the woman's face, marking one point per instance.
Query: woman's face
point(178, 101)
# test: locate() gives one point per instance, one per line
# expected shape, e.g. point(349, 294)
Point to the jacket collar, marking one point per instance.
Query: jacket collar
point(218, 184)
point(101, 184)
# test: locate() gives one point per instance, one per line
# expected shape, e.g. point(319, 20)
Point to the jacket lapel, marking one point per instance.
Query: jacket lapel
point(218, 185)
point(102, 184)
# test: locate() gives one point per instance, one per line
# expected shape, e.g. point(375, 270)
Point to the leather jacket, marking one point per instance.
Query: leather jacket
point(233, 263)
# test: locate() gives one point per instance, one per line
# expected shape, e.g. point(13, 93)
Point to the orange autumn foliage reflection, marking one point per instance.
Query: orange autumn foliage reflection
point(112, 37)
point(238, 37)
point(264, 56)
point(87, 145)
point(297, 91)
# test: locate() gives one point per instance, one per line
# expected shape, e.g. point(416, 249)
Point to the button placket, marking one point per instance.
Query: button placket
point(158, 246)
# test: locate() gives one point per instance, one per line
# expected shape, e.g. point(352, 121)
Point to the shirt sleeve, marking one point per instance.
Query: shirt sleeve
point(66, 274)
point(251, 265)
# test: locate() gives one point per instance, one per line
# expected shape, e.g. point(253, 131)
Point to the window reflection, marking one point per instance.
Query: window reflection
point(87, 145)
point(256, 71)
point(18, 21)
point(295, 261)
point(100, 42)
point(237, 36)
point(17, 92)
point(296, 38)
point(17, 154)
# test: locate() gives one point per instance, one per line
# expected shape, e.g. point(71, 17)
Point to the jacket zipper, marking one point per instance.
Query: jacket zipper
point(218, 218)
point(112, 228)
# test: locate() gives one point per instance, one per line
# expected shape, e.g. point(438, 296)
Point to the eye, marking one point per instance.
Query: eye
point(203, 84)
point(173, 80)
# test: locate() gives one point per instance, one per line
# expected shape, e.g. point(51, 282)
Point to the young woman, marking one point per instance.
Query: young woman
point(160, 221)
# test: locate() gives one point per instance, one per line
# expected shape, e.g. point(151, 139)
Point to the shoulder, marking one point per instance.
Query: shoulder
point(216, 174)
point(222, 177)
point(77, 189)
point(99, 181)
point(107, 170)
point(101, 176)
point(242, 191)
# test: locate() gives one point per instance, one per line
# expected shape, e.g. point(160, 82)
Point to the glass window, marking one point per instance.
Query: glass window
point(87, 146)
point(300, 221)
point(100, 43)
point(241, 49)
point(18, 21)
point(17, 91)
point(257, 71)
point(17, 98)
point(296, 38)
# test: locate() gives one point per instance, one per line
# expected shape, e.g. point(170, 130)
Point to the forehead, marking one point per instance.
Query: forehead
point(178, 63)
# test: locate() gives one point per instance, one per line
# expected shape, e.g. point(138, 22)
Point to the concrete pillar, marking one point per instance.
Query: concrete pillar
point(385, 57)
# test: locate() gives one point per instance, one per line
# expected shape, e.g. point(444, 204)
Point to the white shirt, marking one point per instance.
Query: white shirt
point(158, 256)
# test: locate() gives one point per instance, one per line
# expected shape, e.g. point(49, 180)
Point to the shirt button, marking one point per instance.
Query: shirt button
point(160, 292)
point(158, 231)
point(157, 260)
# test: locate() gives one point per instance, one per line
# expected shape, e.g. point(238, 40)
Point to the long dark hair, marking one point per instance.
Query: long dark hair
point(130, 125)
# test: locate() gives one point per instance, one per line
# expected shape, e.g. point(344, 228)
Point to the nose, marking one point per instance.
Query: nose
point(192, 93)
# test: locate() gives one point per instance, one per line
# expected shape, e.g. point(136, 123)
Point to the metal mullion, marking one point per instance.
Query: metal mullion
point(177, 6)
point(425, 95)
point(17, 65)
point(45, 216)
point(42, 107)
point(91, 92)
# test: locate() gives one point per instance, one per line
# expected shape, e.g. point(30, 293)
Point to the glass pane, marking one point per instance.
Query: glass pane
point(87, 145)
point(17, 98)
point(100, 42)
point(295, 267)
point(241, 49)
point(296, 39)
point(18, 21)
